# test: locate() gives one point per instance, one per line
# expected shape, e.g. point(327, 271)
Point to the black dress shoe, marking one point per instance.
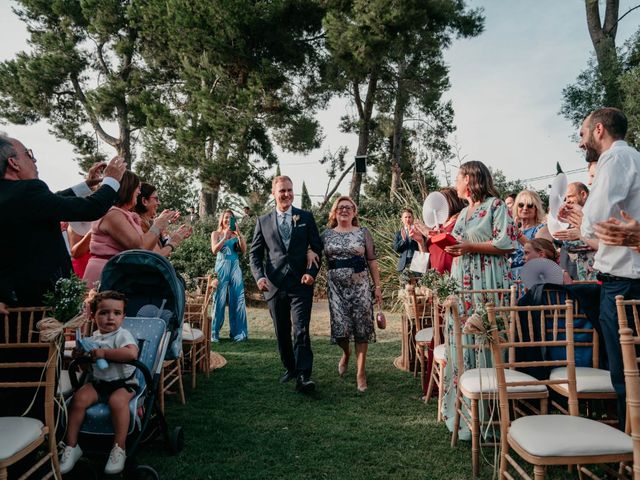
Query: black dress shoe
point(305, 385)
point(287, 375)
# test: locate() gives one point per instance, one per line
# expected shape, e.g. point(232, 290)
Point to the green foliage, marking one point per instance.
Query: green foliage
point(305, 202)
point(194, 257)
point(67, 298)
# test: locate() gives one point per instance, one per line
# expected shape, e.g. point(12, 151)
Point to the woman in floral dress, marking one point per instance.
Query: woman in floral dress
point(351, 258)
point(486, 234)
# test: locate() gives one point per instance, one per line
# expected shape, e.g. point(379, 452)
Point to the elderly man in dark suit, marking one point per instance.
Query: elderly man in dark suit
point(279, 266)
point(34, 253)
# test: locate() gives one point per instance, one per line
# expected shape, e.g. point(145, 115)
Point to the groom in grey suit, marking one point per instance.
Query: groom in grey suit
point(279, 265)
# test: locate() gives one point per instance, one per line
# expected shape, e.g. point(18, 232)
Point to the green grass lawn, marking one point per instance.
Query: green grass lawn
point(240, 423)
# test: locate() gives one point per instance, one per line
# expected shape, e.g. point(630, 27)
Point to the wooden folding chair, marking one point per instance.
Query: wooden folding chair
point(629, 342)
point(592, 383)
point(196, 333)
point(477, 384)
point(438, 357)
point(543, 440)
point(20, 340)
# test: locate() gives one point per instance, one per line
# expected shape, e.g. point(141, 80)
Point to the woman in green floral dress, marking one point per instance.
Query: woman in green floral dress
point(486, 234)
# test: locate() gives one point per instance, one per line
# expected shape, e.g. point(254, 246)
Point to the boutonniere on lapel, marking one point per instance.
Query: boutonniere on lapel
point(295, 219)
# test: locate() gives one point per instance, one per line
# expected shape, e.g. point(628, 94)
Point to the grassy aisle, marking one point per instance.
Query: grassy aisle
point(242, 424)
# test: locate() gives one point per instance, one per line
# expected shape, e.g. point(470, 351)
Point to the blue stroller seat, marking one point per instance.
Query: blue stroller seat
point(150, 333)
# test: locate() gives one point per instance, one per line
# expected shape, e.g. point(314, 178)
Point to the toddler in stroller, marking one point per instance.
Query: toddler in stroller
point(115, 385)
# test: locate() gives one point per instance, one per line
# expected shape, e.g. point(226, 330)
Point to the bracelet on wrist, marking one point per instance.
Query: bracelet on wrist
point(155, 230)
point(171, 246)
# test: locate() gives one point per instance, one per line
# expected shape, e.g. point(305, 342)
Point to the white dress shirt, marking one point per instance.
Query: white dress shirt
point(616, 187)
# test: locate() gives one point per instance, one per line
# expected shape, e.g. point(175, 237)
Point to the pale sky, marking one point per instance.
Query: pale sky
point(506, 93)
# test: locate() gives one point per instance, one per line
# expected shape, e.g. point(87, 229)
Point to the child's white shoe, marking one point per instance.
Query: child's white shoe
point(116, 461)
point(69, 457)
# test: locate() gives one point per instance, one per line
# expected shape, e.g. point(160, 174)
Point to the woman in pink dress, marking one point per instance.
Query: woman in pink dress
point(120, 229)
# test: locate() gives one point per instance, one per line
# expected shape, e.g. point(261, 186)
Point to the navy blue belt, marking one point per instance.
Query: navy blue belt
point(357, 263)
point(605, 277)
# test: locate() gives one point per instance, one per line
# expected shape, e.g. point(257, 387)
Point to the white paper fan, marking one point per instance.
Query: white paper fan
point(557, 193)
point(435, 209)
point(554, 225)
point(540, 270)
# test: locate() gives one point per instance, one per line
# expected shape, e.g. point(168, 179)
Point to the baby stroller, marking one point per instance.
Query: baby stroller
point(155, 309)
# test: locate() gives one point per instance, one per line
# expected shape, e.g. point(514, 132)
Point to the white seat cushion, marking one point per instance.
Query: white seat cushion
point(16, 433)
point(191, 334)
point(425, 335)
point(69, 344)
point(563, 436)
point(588, 380)
point(483, 380)
point(439, 353)
point(64, 384)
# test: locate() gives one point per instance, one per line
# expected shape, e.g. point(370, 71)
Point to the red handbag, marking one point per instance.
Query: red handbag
point(381, 320)
point(443, 240)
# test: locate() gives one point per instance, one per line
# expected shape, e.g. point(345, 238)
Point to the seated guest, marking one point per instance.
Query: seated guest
point(439, 259)
point(35, 253)
point(120, 230)
point(510, 200)
point(529, 217)
point(79, 234)
point(407, 241)
point(543, 248)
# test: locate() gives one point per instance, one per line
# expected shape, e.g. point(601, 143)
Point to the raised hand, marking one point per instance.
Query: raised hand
point(617, 232)
point(115, 168)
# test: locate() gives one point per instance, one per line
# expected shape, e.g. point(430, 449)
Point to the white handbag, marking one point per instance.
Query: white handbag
point(419, 262)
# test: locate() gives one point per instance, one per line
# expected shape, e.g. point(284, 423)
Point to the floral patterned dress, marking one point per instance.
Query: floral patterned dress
point(350, 296)
point(492, 222)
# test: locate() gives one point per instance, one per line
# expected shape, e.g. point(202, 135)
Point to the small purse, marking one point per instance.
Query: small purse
point(381, 321)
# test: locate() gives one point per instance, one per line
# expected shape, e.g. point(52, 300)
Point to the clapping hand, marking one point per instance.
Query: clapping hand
point(569, 234)
point(571, 213)
point(115, 168)
point(617, 232)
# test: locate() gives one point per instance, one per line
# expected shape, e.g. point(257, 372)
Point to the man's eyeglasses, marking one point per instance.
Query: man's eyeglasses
point(347, 208)
point(522, 204)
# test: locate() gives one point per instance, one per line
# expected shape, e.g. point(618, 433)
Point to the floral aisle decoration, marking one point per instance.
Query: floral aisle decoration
point(66, 303)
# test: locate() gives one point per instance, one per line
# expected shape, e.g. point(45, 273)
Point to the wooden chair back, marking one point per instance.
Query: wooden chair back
point(472, 298)
point(418, 306)
point(629, 343)
point(504, 340)
point(30, 364)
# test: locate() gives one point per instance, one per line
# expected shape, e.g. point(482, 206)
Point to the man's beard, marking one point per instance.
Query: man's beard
point(590, 154)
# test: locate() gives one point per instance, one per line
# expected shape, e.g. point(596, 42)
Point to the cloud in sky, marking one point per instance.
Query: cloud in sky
point(506, 89)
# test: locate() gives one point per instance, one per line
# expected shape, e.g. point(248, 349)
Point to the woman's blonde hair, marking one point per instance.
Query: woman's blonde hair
point(529, 196)
point(221, 219)
point(333, 214)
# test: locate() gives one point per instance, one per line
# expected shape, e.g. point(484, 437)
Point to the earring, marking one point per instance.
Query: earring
point(468, 193)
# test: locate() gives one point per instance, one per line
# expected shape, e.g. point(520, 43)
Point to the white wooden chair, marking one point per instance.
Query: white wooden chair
point(543, 440)
point(20, 340)
point(629, 342)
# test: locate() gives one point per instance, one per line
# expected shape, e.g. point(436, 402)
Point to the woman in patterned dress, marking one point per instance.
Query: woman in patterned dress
point(486, 235)
point(351, 258)
point(225, 244)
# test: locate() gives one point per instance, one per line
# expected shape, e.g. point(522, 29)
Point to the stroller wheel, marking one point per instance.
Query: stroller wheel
point(176, 440)
point(144, 472)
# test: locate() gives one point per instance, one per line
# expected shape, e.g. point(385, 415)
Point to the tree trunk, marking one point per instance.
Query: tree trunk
point(603, 37)
point(208, 203)
point(365, 112)
point(398, 120)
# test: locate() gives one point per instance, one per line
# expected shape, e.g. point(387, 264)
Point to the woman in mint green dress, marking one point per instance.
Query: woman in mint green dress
point(226, 243)
point(486, 234)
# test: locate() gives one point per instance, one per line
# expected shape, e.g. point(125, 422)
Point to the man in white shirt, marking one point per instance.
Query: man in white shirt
point(616, 187)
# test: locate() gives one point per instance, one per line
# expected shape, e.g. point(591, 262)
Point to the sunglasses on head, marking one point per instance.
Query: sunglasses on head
point(522, 204)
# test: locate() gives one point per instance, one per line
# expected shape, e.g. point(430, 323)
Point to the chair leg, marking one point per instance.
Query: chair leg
point(430, 386)
point(3, 474)
point(183, 400)
point(456, 419)
point(440, 391)
point(53, 448)
point(544, 406)
point(161, 390)
point(193, 367)
point(475, 438)
point(424, 366)
point(418, 360)
point(539, 472)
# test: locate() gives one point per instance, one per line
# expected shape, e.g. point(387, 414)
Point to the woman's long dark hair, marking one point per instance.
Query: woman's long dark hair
point(146, 190)
point(480, 181)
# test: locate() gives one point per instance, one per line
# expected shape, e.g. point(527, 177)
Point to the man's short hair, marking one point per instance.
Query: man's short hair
point(581, 187)
point(612, 119)
point(279, 178)
point(406, 210)
point(6, 151)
